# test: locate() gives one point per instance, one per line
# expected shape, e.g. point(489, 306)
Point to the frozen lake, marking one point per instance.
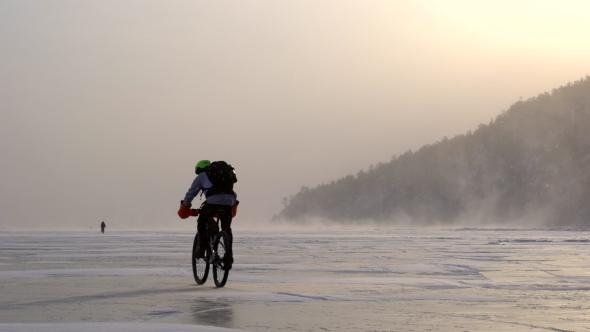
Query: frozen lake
point(371, 280)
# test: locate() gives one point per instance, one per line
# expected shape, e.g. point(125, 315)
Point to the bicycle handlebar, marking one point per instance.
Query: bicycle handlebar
point(234, 211)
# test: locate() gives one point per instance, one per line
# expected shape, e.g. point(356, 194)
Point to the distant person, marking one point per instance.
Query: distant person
point(102, 227)
point(219, 197)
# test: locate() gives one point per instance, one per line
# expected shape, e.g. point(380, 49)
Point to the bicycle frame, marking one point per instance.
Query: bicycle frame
point(212, 239)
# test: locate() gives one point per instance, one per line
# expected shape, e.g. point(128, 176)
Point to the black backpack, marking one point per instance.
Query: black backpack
point(222, 176)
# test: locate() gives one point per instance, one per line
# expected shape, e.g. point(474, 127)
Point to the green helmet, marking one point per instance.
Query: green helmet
point(201, 165)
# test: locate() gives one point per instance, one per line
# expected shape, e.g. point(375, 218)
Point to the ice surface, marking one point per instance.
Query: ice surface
point(119, 327)
point(372, 280)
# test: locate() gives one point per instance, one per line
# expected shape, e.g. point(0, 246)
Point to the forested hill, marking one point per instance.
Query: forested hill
point(531, 163)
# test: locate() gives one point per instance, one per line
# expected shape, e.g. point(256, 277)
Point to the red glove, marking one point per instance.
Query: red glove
point(184, 211)
point(195, 212)
point(234, 209)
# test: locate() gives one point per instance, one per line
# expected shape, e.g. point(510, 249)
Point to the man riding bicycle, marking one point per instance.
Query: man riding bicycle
point(219, 200)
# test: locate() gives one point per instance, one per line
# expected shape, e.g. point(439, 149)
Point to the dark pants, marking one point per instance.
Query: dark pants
point(225, 216)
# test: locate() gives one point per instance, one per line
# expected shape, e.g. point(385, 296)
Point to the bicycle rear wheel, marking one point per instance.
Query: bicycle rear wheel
point(200, 265)
point(222, 262)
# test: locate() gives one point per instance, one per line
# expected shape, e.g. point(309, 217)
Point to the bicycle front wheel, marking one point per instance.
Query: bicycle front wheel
point(222, 262)
point(200, 265)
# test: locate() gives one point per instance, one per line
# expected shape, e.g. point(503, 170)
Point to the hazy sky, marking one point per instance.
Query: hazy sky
point(106, 106)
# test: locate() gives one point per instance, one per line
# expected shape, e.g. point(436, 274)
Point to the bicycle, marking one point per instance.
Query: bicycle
point(217, 247)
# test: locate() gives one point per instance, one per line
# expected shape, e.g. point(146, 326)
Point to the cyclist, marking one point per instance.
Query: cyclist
point(216, 201)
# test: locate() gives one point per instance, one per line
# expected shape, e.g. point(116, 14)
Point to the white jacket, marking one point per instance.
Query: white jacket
point(202, 183)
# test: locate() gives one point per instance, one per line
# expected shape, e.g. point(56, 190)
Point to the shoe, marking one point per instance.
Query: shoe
point(229, 262)
point(200, 252)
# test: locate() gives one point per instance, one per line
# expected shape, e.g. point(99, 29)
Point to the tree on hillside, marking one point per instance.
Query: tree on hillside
point(531, 160)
